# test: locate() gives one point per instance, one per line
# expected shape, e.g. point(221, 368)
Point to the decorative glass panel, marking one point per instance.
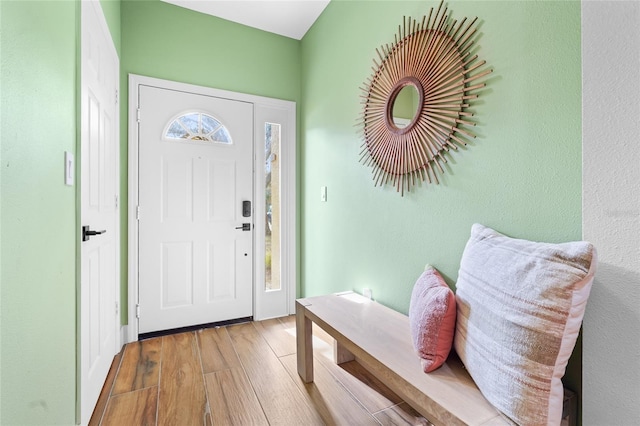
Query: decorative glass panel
point(196, 126)
point(209, 124)
point(176, 131)
point(272, 206)
point(191, 123)
point(221, 136)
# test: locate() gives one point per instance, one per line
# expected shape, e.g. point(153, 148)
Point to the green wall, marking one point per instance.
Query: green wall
point(522, 175)
point(169, 42)
point(38, 213)
point(173, 43)
point(111, 10)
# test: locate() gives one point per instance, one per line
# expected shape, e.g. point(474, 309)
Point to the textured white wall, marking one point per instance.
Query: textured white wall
point(611, 210)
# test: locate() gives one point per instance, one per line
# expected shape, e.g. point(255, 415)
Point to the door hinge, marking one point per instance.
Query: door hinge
point(116, 96)
point(138, 115)
point(137, 212)
point(138, 310)
point(116, 200)
point(117, 310)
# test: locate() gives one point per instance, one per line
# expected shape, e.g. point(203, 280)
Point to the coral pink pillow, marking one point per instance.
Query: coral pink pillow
point(432, 319)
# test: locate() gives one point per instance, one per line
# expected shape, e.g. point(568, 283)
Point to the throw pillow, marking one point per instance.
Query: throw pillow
point(432, 318)
point(520, 307)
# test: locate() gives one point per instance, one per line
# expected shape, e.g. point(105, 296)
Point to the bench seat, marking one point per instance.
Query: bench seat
point(379, 338)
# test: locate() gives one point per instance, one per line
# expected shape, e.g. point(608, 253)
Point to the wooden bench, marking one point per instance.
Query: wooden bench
point(379, 338)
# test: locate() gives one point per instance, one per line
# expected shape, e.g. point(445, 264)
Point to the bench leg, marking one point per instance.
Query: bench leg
point(569, 409)
point(304, 344)
point(341, 354)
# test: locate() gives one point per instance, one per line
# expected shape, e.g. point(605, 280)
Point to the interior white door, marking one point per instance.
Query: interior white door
point(99, 287)
point(195, 176)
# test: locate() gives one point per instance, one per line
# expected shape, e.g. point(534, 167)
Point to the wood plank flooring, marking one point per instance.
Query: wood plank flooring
point(242, 374)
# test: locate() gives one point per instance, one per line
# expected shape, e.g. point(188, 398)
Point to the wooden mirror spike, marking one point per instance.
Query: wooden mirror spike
point(435, 57)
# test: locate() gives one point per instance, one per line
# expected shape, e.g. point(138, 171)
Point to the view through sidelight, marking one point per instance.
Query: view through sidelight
point(272, 207)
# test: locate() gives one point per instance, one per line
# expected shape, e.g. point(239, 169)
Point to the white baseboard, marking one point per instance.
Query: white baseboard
point(124, 335)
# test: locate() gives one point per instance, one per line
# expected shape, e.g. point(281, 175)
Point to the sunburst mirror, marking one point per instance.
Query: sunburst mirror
point(416, 101)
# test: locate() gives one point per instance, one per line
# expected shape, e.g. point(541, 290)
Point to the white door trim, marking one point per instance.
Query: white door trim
point(288, 189)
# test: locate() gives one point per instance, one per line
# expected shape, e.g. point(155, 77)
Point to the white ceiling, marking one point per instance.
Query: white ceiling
point(290, 18)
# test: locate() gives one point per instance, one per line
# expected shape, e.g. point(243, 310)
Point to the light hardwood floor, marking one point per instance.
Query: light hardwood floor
point(242, 375)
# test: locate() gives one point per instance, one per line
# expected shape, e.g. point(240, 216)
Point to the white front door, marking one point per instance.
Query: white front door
point(195, 196)
point(99, 286)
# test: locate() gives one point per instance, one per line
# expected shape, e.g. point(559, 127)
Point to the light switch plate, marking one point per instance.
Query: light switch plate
point(323, 193)
point(69, 168)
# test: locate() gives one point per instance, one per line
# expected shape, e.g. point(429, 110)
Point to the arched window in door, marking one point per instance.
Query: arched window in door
point(196, 126)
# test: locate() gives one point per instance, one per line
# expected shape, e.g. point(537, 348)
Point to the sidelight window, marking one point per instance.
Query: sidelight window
point(272, 206)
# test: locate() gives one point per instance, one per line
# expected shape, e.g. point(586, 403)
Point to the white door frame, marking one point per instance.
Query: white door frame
point(288, 190)
point(82, 416)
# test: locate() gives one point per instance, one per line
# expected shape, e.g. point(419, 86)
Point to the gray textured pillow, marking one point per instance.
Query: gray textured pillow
point(520, 307)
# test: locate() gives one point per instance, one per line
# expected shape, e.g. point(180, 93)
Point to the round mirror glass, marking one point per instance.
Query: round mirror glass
point(405, 106)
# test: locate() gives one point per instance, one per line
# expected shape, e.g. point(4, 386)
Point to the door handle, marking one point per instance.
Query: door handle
point(244, 227)
point(87, 233)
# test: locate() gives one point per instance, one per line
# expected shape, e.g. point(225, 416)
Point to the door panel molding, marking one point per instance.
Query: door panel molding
point(193, 268)
point(98, 194)
point(286, 110)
